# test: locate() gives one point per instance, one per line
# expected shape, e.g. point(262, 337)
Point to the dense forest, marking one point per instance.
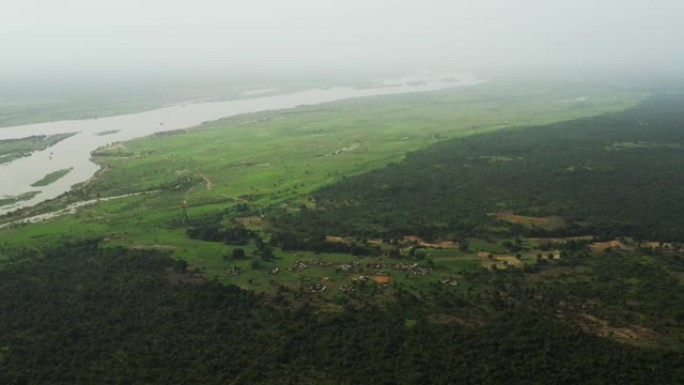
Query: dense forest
point(86, 314)
point(618, 172)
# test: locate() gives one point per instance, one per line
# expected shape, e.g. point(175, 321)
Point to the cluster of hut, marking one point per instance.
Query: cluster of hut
point(301, 265)
point(412, 268)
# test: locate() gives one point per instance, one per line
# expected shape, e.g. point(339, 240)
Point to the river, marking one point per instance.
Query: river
point(17, 176)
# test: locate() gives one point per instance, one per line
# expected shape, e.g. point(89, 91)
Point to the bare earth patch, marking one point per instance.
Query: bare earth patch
point(602, 328)
point(249, 221)
point(436, 245)
point(539, 241)
point(334, 239)
point(186, 278)
point(614, 245)
point(152, 247)
point(657, 245)
point(380, 278)
point(407, 240)
point(547, 223)
point(448, 319)
point(207, 181)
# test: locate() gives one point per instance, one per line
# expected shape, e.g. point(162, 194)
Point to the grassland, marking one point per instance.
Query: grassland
point(267, 156)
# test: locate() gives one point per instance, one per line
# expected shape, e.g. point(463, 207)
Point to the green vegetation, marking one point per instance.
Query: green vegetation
point(83, 314)
point(565, 169)
point(274, 158)
point(11, 149)
point(21, 197)
point(426, 238)
point(107, 132)
point(51, 177)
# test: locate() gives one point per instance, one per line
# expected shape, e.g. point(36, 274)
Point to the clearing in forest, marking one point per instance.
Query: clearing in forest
point(546, 223)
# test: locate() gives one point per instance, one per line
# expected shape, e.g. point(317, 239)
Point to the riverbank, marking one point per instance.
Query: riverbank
point(75, 152)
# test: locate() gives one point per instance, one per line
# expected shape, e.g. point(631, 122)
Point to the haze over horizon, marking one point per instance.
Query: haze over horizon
point(127, 39)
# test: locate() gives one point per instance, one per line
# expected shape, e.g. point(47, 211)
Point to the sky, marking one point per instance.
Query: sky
point(48, 38)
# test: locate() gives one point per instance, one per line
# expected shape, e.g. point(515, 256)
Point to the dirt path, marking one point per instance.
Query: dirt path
point(207, 181)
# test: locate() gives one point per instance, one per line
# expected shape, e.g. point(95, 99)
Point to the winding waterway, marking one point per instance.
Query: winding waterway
point(17, 176)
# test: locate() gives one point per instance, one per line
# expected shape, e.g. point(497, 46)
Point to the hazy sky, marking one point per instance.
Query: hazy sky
point(49, 37)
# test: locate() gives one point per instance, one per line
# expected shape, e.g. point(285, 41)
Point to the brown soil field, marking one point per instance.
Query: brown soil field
point(335, 239)
point(539, 241)
point(546, 223)
point(436, 245)
point(614, 244)
point(249, 221)
point(409, 239)
point(655, 245)
point(602, 328)
point(381, 279)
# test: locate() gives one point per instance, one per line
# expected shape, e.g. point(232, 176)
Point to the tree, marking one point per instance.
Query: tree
point(180, 266)
point(238, 253)
point(259, 243)
point(267, 254)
